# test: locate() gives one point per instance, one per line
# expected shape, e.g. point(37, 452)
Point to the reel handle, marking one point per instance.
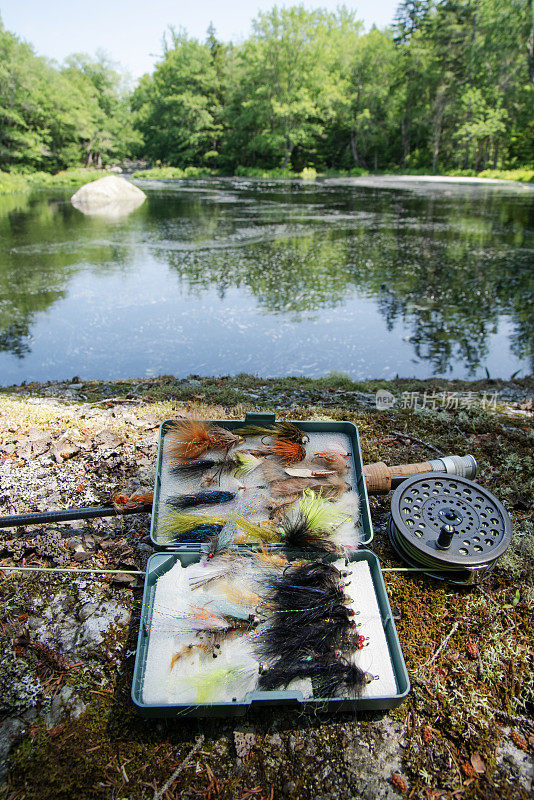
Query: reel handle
point(380, 478)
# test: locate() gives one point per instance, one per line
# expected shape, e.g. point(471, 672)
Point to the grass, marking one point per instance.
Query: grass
point(175, 173)
point(523, 174)
point(73, 176)
point(11, 183)
point(17, 183)
point(245, 388)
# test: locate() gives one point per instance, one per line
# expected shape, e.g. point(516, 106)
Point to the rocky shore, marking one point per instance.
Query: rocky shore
point(68, 727)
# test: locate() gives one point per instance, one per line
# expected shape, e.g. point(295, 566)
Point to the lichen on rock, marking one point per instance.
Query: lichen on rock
point(19, 688)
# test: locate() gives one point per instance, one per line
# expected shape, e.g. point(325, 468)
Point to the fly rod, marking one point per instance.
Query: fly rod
point(68, 514)
point(379, 479)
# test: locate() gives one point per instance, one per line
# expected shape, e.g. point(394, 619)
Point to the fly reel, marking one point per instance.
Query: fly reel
point(448, 526)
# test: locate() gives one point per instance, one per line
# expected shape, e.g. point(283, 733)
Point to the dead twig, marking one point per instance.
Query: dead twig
point(417, 441)
point(198, 744)
point(518, 720)
point(509, 630)
point(454, 761)
point(489, 597)
point(116, 401)
point(214, 788)
point(441, 647)
point(480, 667)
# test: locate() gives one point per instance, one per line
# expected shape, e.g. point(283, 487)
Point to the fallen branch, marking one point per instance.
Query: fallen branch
point(441, 647)
point(198, 744)
point(480, 667)
point(417, 441)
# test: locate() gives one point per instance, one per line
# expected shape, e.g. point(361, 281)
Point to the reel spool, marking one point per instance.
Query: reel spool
point(449, 526)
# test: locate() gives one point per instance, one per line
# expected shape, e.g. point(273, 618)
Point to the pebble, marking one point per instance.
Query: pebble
point(65, 703)
point(86, 610)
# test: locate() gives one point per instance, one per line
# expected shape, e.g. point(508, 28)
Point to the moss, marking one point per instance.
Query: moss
point(462, 700)
point(458, 696)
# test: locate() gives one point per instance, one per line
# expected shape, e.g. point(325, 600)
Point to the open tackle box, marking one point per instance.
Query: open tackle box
point(155, 691)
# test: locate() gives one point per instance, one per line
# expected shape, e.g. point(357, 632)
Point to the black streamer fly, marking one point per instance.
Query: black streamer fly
point(330, 676)
point(199, 499)
point(297, 533)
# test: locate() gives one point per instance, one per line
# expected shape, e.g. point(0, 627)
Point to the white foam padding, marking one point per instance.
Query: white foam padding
point(186, 682)
point(252, 491)
point(375, 657)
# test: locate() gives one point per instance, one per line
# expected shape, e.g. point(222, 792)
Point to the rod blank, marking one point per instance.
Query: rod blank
point(65, 515)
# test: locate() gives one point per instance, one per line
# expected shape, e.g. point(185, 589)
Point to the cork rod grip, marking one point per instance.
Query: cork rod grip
point(378, 476)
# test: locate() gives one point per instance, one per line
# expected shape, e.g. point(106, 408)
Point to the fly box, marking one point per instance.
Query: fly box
point(240, 608)
point(337, 434)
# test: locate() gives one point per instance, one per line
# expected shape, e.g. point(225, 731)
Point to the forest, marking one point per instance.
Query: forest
point(448, 86)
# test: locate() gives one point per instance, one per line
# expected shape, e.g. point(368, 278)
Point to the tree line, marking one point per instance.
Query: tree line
point(53, 117)
point(449, 85)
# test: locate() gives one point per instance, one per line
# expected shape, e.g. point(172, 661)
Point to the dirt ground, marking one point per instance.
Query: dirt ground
point(68, 727)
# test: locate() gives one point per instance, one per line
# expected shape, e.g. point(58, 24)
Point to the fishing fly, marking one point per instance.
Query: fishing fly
point(199, 499)
point(188, 439)
point(284, 430)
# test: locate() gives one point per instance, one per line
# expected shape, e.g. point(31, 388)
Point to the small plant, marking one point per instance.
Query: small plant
point(10, 183)
point(308, 174)
point(174, 173)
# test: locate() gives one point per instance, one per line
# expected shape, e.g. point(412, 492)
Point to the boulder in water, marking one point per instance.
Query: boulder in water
point(110, 196)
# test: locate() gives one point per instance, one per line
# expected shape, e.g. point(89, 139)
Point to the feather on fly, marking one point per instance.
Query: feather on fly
point(297, 533)
point(330, 677)
point(189, 439)
point(281, 430)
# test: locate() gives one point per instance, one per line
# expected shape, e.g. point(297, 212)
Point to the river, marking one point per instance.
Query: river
point(369, 277)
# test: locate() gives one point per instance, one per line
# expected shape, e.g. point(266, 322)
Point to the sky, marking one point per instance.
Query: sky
point(130, 31)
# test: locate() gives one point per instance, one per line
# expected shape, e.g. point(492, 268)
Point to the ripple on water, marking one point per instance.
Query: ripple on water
point(371, 278)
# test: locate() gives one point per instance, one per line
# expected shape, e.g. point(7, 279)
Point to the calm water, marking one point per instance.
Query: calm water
point(218, 277)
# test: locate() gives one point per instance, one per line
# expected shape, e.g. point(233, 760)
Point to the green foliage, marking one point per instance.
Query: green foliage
point(14, 182)
point(55, 117)
point(258, 172)
point(75, 176)
point(105, 129)
point(362, 134)
point(308, 174)
point(450, 86)
point(9, 183)
point(290, 78)
point(173, 173)
point(178, 107)
point(523, 175)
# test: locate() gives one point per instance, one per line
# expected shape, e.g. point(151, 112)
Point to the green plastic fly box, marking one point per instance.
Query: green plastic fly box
point(237, 613)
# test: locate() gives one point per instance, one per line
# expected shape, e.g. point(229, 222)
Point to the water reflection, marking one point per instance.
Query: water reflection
point(44, 242)
point(449, 270)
